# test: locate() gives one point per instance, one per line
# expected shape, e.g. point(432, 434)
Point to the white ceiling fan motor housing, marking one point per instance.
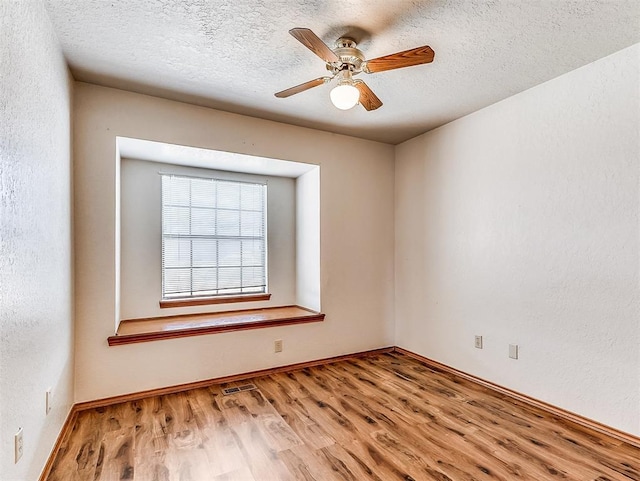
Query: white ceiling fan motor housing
point(350, 57)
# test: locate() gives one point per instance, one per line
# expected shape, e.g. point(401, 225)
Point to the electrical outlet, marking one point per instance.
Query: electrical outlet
point(478, 342)
point(48, 400)
point(277, 345)
point(19, 445)
point(513, 351)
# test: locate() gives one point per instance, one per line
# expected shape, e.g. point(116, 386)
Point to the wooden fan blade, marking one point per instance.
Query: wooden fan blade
point(310, 40)
point(302, 87)
point(368, 99)
point(408, 58)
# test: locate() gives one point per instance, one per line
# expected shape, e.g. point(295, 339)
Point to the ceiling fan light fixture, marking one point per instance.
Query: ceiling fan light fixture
point(344, 96)
point(345, 61)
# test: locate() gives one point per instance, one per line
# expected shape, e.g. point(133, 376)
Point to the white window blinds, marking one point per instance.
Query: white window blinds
point(213, 237)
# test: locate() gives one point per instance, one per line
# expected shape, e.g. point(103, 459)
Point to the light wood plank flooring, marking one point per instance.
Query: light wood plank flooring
point(384, 417)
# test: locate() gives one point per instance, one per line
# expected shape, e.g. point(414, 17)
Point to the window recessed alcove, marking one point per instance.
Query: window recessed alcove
point(293, 226)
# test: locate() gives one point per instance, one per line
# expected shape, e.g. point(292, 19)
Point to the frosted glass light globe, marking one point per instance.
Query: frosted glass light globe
point(345, 96)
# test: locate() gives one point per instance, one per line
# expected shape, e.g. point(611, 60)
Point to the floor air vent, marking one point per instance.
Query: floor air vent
point(234, 390)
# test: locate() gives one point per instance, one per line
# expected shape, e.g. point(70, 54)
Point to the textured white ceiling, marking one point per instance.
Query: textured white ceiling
point(235, 54)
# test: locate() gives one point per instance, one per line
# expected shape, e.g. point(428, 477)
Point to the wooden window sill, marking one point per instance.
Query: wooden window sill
point(205, 301)
point(156, 328)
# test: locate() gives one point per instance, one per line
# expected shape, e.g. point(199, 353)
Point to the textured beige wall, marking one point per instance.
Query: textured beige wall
point(520, 223)
point(356, 241)
point(36, 305)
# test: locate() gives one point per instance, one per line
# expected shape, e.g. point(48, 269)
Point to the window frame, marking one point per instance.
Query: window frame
point(192, 298)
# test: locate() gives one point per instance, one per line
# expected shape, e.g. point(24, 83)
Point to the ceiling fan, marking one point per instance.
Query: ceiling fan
point(346, 61)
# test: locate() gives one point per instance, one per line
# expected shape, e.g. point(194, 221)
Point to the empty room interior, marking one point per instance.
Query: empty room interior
point(319, 240)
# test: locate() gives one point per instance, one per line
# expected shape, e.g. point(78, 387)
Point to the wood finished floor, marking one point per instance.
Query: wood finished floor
point(384, 417)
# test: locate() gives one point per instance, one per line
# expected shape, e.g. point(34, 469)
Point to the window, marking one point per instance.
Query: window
point(213, 237)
